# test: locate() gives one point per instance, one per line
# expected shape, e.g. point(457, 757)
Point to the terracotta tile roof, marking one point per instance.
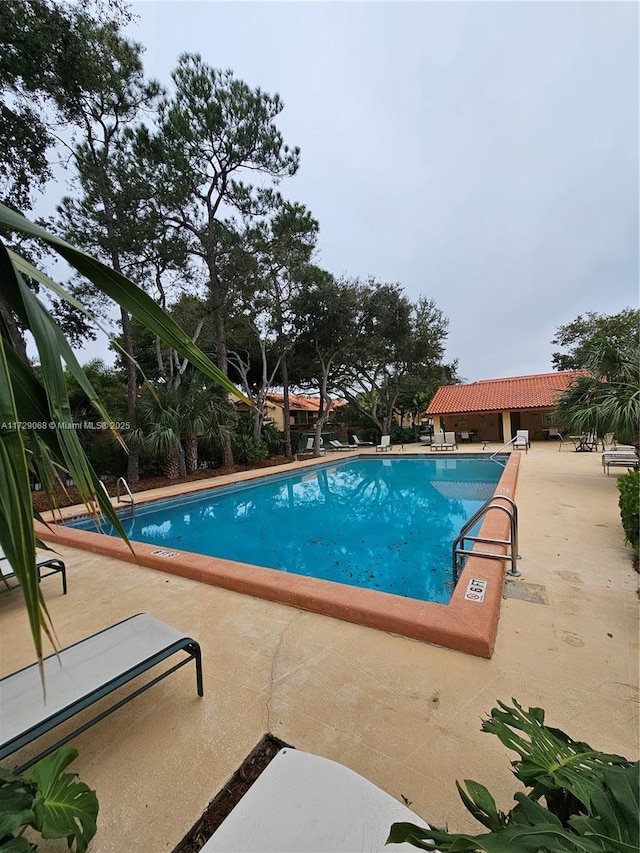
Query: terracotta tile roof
point(299, 403)
point(515, 393)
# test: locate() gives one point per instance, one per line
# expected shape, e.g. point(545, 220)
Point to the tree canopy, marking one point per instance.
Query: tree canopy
point(607, 397)
point(588, 332)
point(48, 63)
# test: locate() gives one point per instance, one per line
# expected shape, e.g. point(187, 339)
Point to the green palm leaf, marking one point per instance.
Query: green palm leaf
point(123, 291)
point(44, 399)
point(17, 537)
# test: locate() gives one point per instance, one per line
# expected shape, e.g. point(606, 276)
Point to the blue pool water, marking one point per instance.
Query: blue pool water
point(385, 524)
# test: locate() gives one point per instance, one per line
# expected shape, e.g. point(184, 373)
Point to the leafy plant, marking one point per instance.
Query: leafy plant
point(247, 449)
point(607, 397)
point(591, 798)
point(49, 801)
point(36, 423)
point(629, 503)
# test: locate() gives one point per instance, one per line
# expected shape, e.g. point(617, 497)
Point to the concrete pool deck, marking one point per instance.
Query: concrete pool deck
point(403, 713)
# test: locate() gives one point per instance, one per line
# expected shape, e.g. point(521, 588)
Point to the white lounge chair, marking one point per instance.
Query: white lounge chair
point(359, 443)
point(309, 447)
point(55, 566)
point(338, 445)
point(302, 803)
point(84, 673)
point(385, 443)
point(444, 441)
point(521, 440)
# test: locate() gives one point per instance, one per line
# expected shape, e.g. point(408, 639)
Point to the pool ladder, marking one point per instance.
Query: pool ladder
point(511, 543)
point(128, 500)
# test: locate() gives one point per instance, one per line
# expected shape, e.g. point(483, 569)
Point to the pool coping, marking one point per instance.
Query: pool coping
point(464, 624)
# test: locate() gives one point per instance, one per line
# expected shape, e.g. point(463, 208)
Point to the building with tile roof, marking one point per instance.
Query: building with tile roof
point(493, 409)
point(303, 411)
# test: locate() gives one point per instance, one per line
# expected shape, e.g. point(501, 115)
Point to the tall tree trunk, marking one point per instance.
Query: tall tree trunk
point(191, 454)
point(223, 364)
point(285, 401)
point(171, 465)
point(325, 405)
point(133, 474)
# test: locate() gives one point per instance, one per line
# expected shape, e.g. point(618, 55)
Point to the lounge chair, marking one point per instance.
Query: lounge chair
point(359, 443)
point(385, 444)
point(53, 564)
point(444, 441)
point(84, 673)
point(619, 458)
point(303, 803)
point(309, 447)
point(521, 440)
point(338, 445)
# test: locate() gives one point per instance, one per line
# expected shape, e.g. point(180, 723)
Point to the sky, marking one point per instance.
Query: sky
point(483, 154)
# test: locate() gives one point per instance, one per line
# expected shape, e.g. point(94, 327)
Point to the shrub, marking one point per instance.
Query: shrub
point(629, 502)
point(248, 449)
point(108, 459)
point(591, 798)
point(405, 435)
point(49, 801)
point(273, 439)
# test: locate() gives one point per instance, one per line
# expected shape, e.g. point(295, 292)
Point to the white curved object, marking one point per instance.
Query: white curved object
point(302, 803)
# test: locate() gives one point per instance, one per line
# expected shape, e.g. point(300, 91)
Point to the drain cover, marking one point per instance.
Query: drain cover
point(533, 592)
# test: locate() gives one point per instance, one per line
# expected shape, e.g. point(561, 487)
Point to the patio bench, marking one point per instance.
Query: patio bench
point(82, 674)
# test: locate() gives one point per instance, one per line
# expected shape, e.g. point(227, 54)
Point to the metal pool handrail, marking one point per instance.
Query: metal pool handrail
point(127, 490)
point(511, 542)
point(493, 455)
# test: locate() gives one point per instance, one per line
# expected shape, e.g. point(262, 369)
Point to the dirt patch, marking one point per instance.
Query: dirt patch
point(232, 792)
point(69, 496)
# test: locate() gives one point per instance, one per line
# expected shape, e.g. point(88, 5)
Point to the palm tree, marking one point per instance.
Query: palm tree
point(174, 417)
point(607, 397)
point(36, 424)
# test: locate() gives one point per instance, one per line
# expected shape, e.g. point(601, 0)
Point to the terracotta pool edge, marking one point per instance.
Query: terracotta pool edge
point(463, 625)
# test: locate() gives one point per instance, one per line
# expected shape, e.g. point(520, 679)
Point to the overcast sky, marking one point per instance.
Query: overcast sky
point(483, 154)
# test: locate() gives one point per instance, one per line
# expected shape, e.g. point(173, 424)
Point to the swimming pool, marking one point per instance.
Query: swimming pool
point(381, 524)
point(467, 623)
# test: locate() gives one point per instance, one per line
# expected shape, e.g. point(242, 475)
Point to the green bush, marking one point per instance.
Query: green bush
point(406, 435)
point(590, 798)
point(49, 801)
point(273, 439)
point(108, 458)
point(629, 502)
point(247, 449)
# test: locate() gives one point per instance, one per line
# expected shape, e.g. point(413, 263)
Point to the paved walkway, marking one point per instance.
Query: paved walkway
point(404, 714)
